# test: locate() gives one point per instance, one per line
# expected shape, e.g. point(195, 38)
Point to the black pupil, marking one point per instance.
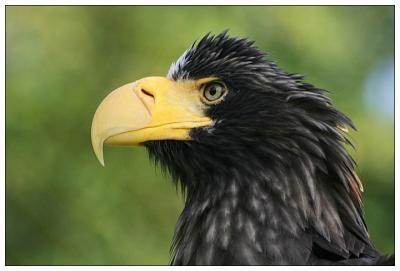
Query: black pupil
point(213, 91)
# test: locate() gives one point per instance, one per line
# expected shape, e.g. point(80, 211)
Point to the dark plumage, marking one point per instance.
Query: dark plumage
point(270, 182)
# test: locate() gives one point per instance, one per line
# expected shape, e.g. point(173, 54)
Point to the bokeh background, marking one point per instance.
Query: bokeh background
point(62, 207)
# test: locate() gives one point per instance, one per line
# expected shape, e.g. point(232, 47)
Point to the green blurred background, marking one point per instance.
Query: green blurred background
point(62, 207)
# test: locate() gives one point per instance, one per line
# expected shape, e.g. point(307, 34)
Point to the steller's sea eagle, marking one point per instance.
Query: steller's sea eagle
point(259, 153)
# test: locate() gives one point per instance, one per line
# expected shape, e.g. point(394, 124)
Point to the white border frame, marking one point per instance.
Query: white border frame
point(183, 2)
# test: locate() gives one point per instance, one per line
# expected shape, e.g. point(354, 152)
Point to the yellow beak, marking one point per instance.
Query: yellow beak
point(153, 108)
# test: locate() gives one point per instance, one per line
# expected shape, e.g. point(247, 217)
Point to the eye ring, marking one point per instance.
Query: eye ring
point(213, 92)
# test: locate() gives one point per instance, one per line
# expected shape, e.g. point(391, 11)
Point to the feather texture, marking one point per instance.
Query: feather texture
point(271, 182)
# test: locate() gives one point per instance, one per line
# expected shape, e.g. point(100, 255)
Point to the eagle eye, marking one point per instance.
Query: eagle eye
point(213, 92)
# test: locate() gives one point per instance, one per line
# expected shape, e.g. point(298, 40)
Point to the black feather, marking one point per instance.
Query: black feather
point(271, 181)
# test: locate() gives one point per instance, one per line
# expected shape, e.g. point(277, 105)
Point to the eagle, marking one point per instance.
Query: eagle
point(259, 153)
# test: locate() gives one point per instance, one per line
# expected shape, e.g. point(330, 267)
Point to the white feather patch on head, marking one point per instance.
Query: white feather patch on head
point(176, 66)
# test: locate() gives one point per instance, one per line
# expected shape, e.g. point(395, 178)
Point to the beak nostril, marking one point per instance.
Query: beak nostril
point(147, 93)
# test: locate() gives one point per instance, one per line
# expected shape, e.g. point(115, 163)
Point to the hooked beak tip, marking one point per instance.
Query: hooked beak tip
point(100, 157)
point(98, 150)
point(101, 160)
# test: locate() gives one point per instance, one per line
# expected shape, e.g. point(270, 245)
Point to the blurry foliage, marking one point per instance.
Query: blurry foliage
point(62, 207)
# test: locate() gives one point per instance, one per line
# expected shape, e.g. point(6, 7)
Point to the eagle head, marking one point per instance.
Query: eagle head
point(259, 153)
